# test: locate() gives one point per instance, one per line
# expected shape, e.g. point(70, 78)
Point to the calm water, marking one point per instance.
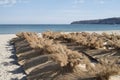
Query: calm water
point(5, 29)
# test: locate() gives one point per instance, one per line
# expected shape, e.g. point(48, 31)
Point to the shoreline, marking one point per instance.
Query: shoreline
point(99, 32)
point(106, 31)
point(109, 31)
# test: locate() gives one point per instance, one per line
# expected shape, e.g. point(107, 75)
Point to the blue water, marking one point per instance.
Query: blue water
point(5, 29)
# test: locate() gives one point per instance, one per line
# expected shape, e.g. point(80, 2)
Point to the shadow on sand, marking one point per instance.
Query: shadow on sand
point(18, 70)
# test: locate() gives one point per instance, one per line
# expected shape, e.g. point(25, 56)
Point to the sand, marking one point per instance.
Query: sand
point(9, 69)
point(109, 32)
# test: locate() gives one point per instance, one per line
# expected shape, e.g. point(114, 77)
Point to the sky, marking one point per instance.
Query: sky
point(56, 11)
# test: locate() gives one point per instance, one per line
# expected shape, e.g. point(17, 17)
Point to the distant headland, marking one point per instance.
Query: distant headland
point(115, 20)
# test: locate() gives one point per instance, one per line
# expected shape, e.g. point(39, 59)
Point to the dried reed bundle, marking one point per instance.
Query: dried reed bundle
point(68, 60)
point(106, 71)
point(85, 39)
point(51, 35)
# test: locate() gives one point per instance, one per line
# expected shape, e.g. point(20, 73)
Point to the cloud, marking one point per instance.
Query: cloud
point(78, 1)
point(8, 3)
point(101, 1)
point(83, 1)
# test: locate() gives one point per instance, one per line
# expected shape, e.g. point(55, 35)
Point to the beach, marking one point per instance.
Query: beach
point(10, 69)
point(59, 40)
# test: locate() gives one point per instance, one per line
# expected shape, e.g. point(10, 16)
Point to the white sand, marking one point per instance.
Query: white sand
point(109, 32)
point(9, 70)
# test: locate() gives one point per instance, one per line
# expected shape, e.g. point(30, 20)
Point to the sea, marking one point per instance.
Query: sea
point(15, 28)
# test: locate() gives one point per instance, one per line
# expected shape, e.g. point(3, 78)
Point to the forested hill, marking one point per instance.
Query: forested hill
point(99, 21)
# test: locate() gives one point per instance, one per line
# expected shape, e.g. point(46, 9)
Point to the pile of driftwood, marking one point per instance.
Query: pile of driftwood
point(49, 58)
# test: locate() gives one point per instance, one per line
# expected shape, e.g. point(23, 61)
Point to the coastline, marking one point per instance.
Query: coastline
point(99, 32)
point(109, 31)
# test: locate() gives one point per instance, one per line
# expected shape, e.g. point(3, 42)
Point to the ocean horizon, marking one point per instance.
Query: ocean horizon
point(15, 28)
